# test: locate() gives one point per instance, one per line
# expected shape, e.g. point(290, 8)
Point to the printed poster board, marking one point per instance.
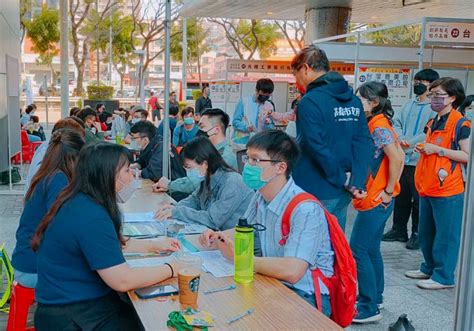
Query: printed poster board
point(398, 81)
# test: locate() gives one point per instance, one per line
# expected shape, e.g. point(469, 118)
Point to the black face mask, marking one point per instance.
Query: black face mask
point(419, 88)
point(202, 133)
point(263, 98)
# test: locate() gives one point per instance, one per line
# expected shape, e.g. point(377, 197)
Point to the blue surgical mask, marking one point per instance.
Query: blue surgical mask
point(188, 121)
point(194, 176)
point(135, 120)
point(252, 176)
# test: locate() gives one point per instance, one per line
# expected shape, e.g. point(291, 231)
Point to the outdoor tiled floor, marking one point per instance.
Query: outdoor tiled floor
point(429, 310)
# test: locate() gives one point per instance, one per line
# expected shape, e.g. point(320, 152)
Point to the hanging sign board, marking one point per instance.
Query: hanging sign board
point(397, 80)
point(279, 67)
point(269, 67)
point(449, 32)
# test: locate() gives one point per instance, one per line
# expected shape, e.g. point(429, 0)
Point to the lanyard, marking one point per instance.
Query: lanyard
point(417, 123)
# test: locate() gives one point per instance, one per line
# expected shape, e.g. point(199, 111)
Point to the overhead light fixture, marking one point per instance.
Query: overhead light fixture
point(269, 13)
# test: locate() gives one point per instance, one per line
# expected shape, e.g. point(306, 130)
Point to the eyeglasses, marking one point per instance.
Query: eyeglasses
point(252, 161)
point(434, 95)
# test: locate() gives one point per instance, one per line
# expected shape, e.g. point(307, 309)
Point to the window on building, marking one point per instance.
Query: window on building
point(175, 68)
point(205, 71)
point(159, 69)
point(205, 60)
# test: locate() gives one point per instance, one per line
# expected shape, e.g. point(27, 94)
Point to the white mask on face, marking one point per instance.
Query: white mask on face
point(127, 191)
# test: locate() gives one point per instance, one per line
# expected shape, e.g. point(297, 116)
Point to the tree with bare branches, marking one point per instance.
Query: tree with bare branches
point(79, 15)
point(149, 26)
point(249, 37)
point(294, 32)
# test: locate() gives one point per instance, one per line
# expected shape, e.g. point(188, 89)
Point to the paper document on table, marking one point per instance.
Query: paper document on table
point(216, 264)
point(174, 225)
point(138, 217)
point(148, 262)
point(146, 229)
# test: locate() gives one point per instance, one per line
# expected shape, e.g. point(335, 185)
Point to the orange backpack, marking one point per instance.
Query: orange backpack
point(342, 285)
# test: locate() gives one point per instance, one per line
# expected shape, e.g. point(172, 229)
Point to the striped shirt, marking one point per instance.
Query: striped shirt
point(308, 239)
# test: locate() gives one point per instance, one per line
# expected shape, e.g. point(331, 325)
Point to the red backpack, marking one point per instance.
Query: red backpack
point(342, 285)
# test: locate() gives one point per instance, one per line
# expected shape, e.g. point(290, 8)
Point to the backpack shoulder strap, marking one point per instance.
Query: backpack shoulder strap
point(285, 222)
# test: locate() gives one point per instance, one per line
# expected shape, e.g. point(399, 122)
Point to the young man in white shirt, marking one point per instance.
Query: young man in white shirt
point(270, 158)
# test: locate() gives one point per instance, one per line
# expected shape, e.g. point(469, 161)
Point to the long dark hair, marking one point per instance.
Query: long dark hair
point(95, 176)
point(376, 91)
point(61, 155)
point(201, 149)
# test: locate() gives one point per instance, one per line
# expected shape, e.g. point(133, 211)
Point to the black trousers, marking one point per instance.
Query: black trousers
point(108, 313)
point(407, 203)
point(156, 113)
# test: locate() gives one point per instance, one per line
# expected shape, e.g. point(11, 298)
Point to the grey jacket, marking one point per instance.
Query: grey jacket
point(409, 124)
point(221, 207)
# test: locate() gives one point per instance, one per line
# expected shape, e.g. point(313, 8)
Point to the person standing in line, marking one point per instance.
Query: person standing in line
point(440, 183)
point(154, 107)
point(409, 124)
point(375, 209)
point(333, 135)
point(203, 102)
point(173, 103)
point(253, 114)
point(187, 130)
point(467, 107)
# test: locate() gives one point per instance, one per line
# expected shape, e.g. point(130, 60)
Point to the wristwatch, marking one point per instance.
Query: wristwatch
point(441, 152)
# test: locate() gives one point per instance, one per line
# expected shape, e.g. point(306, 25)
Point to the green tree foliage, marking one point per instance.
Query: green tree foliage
point(25, 15)
point(247, 37)
point(43, 30)
point(408, 35)
point(196, 42)
point(196, 39)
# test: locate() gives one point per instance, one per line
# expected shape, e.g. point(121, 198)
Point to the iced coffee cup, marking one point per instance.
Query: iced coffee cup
point(189, 276)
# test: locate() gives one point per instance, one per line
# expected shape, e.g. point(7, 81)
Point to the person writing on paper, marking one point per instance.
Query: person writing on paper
point(52, 177)
point(221, 197)
point(271, 156)
point(79, 248)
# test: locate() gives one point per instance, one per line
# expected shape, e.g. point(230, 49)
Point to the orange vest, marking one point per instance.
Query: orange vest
point(378, 178)
point(437, 176)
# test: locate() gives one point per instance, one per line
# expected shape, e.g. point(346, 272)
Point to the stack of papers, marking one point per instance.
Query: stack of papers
point(148, 262)
point(216, 264)
point(138, 217)
point(212, 261)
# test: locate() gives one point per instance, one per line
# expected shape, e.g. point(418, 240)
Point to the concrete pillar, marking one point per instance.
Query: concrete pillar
point(326, 22)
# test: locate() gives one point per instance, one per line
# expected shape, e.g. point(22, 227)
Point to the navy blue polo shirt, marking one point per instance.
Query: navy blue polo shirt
point(43, 197)
point(80, 240)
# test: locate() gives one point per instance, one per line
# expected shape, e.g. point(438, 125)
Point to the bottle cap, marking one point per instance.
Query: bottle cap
point(243, 223)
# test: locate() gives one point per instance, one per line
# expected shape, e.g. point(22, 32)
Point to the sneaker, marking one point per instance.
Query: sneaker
point(416, 274)
point(413, 242)
point(395, 235)
point(363, 318)
point(429, 284)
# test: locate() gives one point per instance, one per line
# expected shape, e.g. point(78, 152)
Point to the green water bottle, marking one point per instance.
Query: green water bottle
point(243, 252)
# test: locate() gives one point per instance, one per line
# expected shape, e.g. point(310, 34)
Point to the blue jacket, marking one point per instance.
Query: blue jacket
point(334, 138)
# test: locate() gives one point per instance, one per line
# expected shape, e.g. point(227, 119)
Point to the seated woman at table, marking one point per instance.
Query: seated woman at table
point(80, 249)
point(271, 156)
point(221, 197)
point(52, 177)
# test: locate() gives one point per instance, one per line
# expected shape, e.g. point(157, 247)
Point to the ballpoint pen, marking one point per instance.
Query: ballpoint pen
point(238, 317)
point(225, 288)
